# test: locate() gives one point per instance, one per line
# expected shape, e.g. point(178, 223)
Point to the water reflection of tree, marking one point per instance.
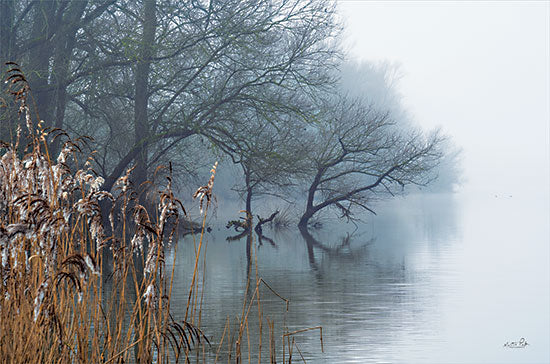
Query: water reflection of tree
point(373, 300)
point(343, 250)
point(249, 234)
point(245, 230)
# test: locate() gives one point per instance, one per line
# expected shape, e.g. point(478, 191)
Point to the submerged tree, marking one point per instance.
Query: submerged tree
point(267, 149)
point(376, 84)
point(358, 154)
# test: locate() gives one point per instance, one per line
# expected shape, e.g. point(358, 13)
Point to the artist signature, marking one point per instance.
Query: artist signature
point(522, 343)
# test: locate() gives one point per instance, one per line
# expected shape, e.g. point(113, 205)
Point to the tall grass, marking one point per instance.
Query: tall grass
point(83, 283)
point(69, 292)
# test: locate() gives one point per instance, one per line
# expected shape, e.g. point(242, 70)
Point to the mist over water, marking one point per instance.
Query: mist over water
point(431, 279)
point(296, 113)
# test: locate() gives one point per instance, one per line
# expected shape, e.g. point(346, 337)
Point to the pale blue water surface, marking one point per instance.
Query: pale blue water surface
point(430, 279)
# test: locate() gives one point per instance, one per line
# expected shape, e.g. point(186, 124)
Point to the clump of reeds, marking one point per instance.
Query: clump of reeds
point(57, 303)
point(73, 289)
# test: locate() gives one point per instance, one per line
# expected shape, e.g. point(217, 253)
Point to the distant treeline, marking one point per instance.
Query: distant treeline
point(258, 83)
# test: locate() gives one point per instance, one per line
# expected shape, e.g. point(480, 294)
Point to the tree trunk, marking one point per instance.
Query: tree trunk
point(143, 68)
point(7, 35)
point(39, 58)
point(310, 208)
point(62, 59)
point(249, 217)
point(7, 40)
point(249, 193)
point(304, 220)
point(248, 204)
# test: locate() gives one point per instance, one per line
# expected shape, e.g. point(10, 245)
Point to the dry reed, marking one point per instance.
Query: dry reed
point(76, 290)
point(57, 302)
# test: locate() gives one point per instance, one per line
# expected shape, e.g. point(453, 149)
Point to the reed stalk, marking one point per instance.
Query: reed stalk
point(70, 291)
point(75, 290)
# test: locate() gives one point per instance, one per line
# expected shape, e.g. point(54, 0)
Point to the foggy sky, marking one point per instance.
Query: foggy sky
point(479, 70)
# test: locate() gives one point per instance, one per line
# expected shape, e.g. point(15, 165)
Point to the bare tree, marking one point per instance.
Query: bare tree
point(358, 154)
point(268, 152)
point(145, 78)
point(376, 84)
point(211, 60)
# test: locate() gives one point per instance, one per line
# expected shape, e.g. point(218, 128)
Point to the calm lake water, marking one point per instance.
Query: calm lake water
point(430, 279)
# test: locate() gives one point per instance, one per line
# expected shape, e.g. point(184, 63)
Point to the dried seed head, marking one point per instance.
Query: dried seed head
point(149, 295)
point(39, 299)
point(90, 263)
point(206, 191)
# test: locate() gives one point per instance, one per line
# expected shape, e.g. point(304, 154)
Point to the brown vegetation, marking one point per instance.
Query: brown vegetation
point(75, 290)
point(56, 302)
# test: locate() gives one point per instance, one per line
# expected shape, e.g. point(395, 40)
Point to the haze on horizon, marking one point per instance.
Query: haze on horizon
point(478, 70)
